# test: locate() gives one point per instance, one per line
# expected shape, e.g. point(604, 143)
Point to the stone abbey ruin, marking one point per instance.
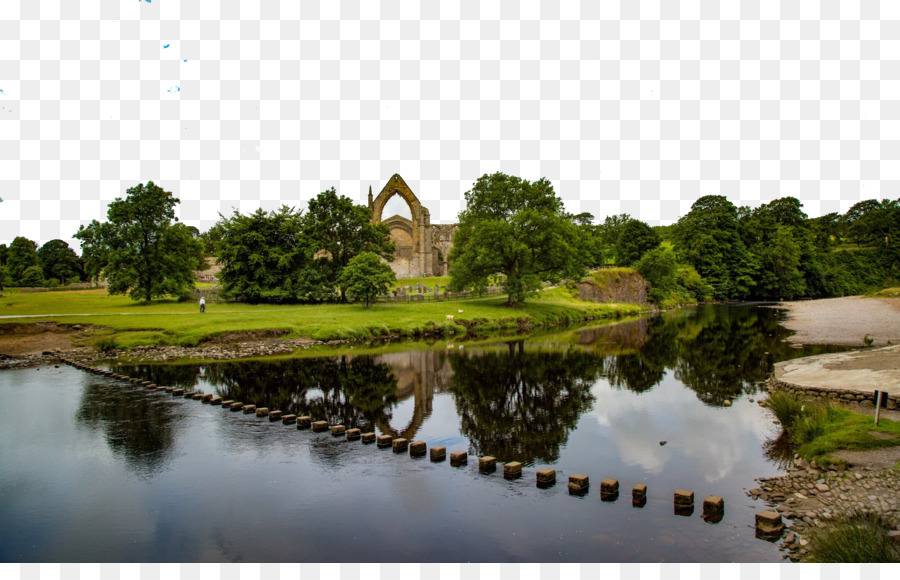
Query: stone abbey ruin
point(422, 247)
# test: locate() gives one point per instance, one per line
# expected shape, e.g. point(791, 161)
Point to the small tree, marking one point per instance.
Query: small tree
point(366, 277)
point(337, 230)
point(659, 268)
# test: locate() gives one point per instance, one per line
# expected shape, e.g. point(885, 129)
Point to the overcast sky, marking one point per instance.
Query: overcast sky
point(637, 107)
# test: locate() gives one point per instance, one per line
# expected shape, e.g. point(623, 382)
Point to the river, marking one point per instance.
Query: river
point(94, 469)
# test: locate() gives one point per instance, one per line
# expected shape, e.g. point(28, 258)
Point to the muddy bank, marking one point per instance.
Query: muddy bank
point(18, 340)
point(844, 321)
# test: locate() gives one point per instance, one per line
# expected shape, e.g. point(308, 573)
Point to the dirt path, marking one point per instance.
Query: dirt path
point(844, 320)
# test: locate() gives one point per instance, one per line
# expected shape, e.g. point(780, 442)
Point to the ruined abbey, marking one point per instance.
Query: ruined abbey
point(422, 248)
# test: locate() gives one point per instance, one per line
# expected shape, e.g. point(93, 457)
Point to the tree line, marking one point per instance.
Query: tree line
point(23, 263)
point(513, 231)
point(329, 253)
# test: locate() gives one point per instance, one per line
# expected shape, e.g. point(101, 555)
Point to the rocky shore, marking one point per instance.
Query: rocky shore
point(157, 354)
point(810, 496)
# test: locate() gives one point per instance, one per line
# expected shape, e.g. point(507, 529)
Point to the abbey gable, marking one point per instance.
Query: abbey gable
point(422, 248)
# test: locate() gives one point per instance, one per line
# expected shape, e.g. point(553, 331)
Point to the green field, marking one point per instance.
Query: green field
point(172, 323)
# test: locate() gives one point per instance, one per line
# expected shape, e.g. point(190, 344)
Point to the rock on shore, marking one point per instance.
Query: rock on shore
point(809, 496)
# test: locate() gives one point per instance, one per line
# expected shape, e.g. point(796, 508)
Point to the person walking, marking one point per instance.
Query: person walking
point(202, 304)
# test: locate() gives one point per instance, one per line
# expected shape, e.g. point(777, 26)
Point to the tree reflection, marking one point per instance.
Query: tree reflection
point(718, 351)
point(521, 405)
point(139, 428)
point(352, 391)
point(181, 376)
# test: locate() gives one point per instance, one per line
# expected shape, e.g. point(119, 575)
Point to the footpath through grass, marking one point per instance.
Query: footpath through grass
point(172, 323)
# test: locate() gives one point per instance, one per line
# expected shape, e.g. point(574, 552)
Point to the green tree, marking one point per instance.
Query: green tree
point(261, 255)
point(148, 254)
point(211, 239)
point(635, 239)
point(707, 238)
point(606, 238)
point(658, 267)
point(4, 252)
point(337, 231)
point(857, 220)
point(5, 280)
point(519, 229)
point(32, 277)
point(60, 262)
point(21, 256)
point(366, 277)
point(95, 241)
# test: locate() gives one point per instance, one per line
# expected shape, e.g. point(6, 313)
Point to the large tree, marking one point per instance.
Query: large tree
point(708, 239)
point(337, 230)
point(518, 229)
point(60, 262)
point(261, 255)
point(149, 254)
point(21, 256)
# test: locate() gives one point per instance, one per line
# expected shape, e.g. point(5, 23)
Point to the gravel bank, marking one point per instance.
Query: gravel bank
point(844, 321)
point(810, 496)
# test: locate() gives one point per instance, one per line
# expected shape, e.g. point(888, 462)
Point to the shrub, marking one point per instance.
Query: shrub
point(786, 407)
point(810, 424)
point(106, 345)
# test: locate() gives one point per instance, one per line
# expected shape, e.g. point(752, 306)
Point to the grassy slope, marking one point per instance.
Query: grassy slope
point(849, 430)
point(169, 322)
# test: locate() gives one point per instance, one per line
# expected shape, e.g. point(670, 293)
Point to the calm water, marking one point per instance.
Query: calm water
point(95, 470)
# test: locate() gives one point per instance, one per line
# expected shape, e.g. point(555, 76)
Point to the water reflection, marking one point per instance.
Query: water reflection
point(513, 400)
point(719, 352)
point(139, 429)
point(521, 403)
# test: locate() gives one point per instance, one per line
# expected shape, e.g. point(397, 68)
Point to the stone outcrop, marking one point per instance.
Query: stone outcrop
point(615, 285)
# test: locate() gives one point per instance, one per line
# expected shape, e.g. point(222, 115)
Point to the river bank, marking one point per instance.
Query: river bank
point(89, 320)
point(863, 481)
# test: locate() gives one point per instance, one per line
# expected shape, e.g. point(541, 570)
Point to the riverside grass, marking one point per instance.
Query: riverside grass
point(168, 322)
point(819, 429)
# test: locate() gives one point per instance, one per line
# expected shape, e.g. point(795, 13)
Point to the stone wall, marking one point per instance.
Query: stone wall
point(441, 244)
point(848, 396)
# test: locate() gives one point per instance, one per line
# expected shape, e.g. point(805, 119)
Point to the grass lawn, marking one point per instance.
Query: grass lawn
point(167, 322)
point(429, 282)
